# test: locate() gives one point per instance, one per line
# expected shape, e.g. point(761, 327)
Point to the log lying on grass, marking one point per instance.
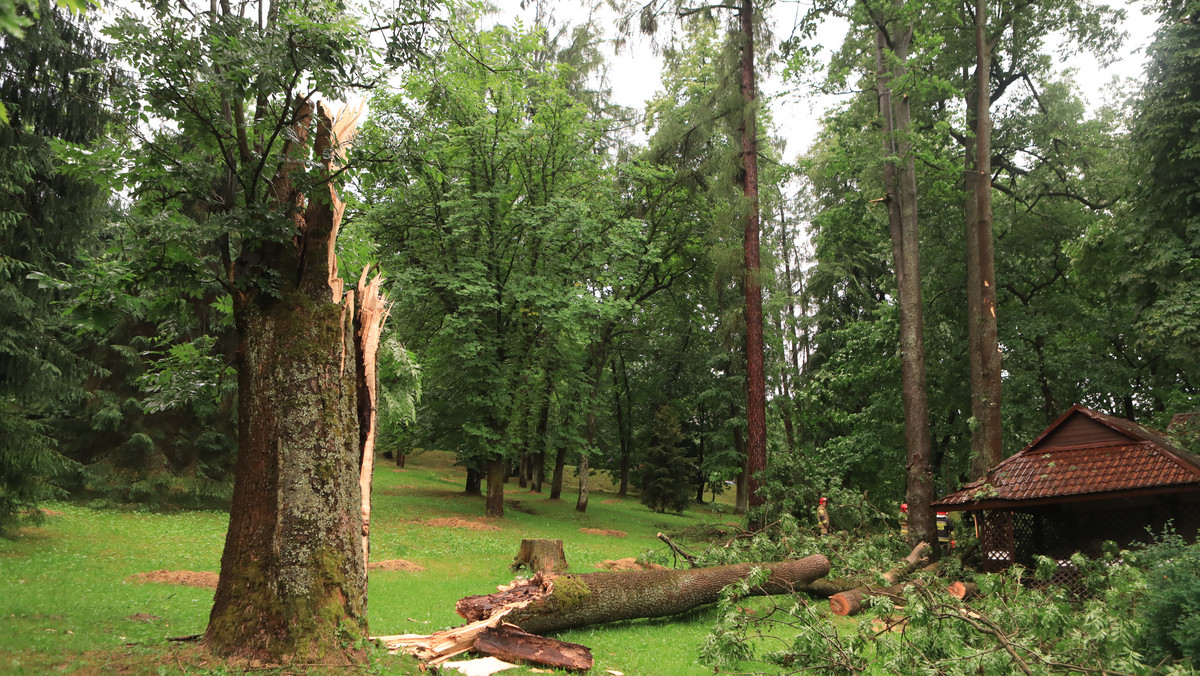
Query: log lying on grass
point(549, 604)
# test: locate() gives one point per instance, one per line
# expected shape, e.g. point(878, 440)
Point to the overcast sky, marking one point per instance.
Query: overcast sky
point(635, 72)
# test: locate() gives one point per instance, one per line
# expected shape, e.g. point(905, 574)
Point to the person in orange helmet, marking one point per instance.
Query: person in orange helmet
point(823, 516)
point(904, 520)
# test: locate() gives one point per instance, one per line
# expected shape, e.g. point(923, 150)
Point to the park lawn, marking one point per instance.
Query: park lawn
point(67, 603)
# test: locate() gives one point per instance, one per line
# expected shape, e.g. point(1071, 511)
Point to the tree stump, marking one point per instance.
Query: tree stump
point(541, 555)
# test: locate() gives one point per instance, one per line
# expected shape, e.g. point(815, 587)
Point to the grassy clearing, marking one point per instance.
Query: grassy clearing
point(66, 603)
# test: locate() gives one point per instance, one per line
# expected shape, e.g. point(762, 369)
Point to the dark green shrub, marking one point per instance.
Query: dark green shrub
point(1170, 627)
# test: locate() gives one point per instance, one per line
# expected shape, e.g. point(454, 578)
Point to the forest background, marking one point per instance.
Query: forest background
point(572, 280)
point(567, 272)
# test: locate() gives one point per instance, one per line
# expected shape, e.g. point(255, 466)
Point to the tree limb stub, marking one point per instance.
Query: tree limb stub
point(595, 598)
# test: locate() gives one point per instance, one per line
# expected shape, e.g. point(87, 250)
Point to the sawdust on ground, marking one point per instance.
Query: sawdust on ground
point(395, 564)
point(628, 564)
point(189, 578)
point(454, 522)
point(602, 531)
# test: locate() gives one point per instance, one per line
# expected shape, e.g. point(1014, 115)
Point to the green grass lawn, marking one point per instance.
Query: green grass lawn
point(67, 604)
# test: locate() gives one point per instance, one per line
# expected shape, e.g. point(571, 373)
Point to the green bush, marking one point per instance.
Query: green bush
point(1170, 626)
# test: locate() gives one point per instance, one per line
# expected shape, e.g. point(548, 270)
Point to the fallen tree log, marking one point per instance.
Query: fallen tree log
point(510, 644)
point(550, 604)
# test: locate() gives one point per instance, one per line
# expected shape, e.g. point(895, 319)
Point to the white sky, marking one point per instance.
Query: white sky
point(635, 72)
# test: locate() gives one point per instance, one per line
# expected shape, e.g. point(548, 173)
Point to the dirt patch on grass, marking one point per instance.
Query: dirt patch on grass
point(602, 531)
point(454, 522)
point(395, 564)
point(51, 512)
point(185, 577)
point(399, 489)
point(628, 564)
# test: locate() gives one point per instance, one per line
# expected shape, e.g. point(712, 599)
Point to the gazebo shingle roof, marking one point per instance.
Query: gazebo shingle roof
point(1084, 454)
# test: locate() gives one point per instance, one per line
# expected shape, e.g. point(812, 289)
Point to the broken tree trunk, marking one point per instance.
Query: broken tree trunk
point(595, 598)
point(509, 643)
point(541, 555)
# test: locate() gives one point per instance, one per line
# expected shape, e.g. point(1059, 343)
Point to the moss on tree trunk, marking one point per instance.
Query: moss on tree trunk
point(292, 570)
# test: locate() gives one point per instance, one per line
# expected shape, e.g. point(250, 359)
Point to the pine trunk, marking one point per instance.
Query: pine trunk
point(756, 388)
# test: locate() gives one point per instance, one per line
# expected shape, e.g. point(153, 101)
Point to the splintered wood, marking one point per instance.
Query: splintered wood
point(493, 637)
point(440, 646)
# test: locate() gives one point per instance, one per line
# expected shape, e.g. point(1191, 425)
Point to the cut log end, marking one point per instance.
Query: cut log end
point(846, 603)
point(963, 590)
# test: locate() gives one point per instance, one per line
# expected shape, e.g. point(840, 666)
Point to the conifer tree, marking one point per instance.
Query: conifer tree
point(48, 215)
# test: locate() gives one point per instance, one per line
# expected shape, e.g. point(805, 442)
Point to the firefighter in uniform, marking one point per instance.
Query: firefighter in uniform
point(904, 520)
point(823, 517)
point(945, 530)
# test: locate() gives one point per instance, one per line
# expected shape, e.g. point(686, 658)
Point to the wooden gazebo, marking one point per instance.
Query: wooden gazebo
point(1088, 478)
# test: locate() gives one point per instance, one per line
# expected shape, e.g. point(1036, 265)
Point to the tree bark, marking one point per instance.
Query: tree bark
point(900, 186)
point(580, 600)
point(293, 575)
point(756, 384)
point(474, 482)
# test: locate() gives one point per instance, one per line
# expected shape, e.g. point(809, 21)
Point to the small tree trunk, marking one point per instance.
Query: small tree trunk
point(556, 479)
point(985, 402)
point(539, 472)
point(474, 482)
point(497, 470)
point(582, 503)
